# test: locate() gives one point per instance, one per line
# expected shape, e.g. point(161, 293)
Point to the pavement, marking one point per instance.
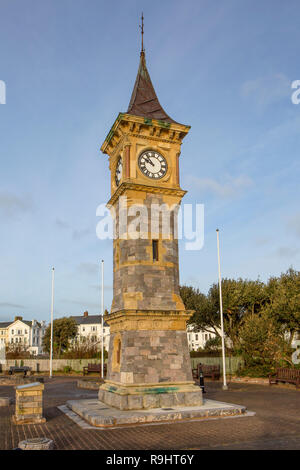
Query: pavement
point(276, 424)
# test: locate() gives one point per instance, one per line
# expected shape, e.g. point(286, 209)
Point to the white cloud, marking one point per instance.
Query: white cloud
point(61, 223)
point(265, 91)
point(227, 187)
point(262, 241)
point(84, 304)
point(98, 287)
point(10, 204)
point(287, 251)
point(294, 224)
point(78, 234)
point(89, 268)
point(10, 305)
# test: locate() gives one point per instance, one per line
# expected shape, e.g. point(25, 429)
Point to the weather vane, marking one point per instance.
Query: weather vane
point(142, 33)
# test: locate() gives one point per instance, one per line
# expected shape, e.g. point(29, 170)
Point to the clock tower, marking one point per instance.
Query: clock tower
point(149, 362)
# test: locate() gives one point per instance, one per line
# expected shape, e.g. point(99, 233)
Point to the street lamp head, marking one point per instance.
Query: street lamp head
point(217, 230)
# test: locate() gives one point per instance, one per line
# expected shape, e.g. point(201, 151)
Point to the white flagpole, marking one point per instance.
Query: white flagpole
point(221, 315)
point(102, 326)
point(51, 324)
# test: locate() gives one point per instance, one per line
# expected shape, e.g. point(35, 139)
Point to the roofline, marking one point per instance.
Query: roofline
point(141, 120)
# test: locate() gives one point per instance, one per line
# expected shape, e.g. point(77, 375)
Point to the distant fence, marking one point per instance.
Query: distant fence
point(43, 365)
point(232, 363)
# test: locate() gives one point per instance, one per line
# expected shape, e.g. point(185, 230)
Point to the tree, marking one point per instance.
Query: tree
point(213, 344)
point(284, 301)
point(204, 317)
point(262, 342)
point(17, 351)
point(85, 349)
point(64, 331)
point(240, 298)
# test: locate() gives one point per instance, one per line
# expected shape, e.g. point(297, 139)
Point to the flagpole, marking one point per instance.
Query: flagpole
point(221, 315)
point(51, 326)
point(102, 314)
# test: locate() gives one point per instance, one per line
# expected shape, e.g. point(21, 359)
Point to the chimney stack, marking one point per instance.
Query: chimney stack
point(86, 313)
point(18, 318)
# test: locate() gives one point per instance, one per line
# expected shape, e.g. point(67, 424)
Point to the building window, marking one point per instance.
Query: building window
point(155, 250)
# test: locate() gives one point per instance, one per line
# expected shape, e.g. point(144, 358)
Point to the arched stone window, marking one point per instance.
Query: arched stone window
point(116, 353)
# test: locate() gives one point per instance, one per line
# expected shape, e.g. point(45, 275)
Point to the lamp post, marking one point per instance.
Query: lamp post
point(51, 325)
point(221, 315)
point(102, 314)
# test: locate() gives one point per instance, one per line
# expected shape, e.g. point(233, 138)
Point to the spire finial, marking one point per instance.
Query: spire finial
point(142, 33)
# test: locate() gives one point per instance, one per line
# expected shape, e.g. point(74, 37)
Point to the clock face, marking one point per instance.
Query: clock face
point(152, 164)
point(119, 169)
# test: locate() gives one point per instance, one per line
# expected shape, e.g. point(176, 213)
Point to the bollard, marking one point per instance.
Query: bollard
point(201, 381)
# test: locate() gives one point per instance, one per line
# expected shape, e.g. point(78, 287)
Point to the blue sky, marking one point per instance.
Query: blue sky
point(225, 68)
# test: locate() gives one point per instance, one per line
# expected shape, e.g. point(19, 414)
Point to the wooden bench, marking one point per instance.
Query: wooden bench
point(16, 369)
point(94, 368)
point(208, 371)
point(285, 374)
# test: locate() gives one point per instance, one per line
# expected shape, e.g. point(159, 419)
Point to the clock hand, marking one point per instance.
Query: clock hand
point(149, 161)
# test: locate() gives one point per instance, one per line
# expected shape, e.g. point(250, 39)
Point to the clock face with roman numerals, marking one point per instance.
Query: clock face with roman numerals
point(152, 164)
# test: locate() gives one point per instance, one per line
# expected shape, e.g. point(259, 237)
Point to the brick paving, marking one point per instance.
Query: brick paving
point(275, 426)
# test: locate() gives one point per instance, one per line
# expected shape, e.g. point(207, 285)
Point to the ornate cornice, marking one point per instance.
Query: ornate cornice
point(125, 186)
point(176, 132)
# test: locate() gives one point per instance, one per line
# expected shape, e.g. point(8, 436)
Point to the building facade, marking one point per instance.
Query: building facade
point(23, 333)
point(197, 339)
point(90, 330)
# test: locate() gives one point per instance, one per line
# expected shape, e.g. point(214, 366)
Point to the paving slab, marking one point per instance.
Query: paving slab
point(99, 414)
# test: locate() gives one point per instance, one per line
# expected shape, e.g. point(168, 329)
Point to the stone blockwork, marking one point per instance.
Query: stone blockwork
point(151, 398)
point(149, 357)
point(29, 404)
point(139, 281)
point(153, 367)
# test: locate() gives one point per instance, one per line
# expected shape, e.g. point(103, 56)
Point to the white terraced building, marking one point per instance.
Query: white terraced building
point(25, 333)
point(90, 329)
point(197, 339)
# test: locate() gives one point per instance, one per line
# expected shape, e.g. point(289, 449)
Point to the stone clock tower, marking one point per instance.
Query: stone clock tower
point(149, 362)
